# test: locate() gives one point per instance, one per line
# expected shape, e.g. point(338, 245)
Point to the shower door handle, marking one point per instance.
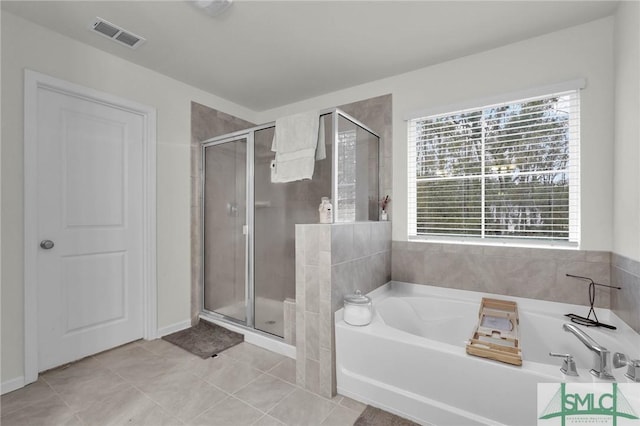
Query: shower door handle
point(232, 209)
point(245, 230)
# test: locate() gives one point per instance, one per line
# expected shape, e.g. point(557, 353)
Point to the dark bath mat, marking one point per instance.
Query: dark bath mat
point(372, 416)
point(205, 339)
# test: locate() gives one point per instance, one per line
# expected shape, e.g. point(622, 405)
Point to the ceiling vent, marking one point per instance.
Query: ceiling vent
point(114, 32)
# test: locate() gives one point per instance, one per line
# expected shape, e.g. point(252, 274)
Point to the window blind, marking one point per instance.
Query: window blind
point(508, 170)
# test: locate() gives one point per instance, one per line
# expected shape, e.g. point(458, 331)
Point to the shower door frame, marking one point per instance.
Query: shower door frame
point(335, 120)
point(249, 135)
point(224, 139)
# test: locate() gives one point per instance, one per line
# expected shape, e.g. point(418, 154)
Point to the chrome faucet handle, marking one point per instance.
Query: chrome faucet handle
point(619, 360)
point(633, 366)
point(568, 364)
point(633, 370)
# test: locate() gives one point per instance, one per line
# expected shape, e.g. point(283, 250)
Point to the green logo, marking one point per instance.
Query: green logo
point(565, 404)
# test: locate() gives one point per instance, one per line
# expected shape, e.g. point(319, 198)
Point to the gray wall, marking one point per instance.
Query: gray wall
point(625, 303)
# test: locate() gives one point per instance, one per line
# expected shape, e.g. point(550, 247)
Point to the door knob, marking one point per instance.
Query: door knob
point(46, 244)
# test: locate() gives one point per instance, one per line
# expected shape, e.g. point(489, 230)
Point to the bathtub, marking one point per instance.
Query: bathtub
point(411, 359)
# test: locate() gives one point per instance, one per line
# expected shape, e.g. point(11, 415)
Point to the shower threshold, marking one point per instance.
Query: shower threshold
point(255, 337)
point(269, 314)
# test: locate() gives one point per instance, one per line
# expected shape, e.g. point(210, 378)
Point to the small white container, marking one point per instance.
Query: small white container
point(358, 309)
point(326, 211)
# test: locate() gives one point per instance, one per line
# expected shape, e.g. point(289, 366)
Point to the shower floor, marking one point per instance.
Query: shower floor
point(269, 314)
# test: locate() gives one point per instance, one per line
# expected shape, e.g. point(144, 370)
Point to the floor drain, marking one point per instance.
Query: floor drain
point(270, 322)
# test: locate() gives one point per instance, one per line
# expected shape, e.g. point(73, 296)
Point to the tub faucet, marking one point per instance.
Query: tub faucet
point(601, 368)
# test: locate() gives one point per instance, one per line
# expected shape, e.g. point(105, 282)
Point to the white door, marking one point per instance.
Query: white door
point(90, 210)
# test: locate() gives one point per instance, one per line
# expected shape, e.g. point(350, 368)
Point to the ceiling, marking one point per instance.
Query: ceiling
point(265, 54)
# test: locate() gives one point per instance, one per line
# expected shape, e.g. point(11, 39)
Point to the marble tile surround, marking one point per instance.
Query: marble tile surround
point(625, 303)
point(523, 272)
point(332, 260)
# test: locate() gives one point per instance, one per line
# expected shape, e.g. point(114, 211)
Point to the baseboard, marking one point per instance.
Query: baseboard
point(11, 385)
point(173, 328)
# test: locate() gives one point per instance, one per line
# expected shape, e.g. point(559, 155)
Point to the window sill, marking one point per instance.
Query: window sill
point(496, 242)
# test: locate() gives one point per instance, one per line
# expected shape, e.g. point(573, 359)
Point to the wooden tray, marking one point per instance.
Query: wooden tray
point(496, 335)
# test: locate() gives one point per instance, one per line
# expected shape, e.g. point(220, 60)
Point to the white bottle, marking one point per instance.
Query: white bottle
point(326, 211)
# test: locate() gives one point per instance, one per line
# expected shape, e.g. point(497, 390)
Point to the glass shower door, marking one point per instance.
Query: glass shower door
point(225, 230)
point(278, 208)
point(357, 165)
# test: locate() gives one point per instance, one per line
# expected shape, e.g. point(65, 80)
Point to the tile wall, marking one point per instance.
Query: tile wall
point(331, 261)
point(625, 303)
point(522, 272)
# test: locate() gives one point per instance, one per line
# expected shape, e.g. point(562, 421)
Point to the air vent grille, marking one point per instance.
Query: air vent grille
point(116, 33)
point(106, 29)
point(128, 39)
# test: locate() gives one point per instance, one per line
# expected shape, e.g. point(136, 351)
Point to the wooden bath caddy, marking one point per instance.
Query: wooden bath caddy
point(496, 335)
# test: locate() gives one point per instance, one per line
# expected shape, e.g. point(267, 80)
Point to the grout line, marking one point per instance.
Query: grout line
point(330, 412)
point(281, 379)
point(267, 415)
point(215, 386)
point(251, 382)
point(277, 364)
point(361, 257)
point(210, 408)
point(295, 388)
point(633, 274)
point(255, 408)
point(358, 412)
point(273, 406)
point(137, 388)
point(169, 413)
point(77, 417)
point(55, 393)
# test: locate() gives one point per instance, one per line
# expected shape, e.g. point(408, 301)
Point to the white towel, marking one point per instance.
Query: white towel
point(298, 143)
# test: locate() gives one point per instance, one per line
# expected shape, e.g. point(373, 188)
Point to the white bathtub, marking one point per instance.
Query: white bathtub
point(411, 359)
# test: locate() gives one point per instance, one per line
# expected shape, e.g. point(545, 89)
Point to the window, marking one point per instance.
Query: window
point(346, 211)
point(503, 171)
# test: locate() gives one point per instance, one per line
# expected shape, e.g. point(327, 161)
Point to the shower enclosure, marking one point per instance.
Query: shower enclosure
point(249, 222)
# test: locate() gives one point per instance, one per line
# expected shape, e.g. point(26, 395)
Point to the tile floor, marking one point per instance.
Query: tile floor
point(156, 383)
